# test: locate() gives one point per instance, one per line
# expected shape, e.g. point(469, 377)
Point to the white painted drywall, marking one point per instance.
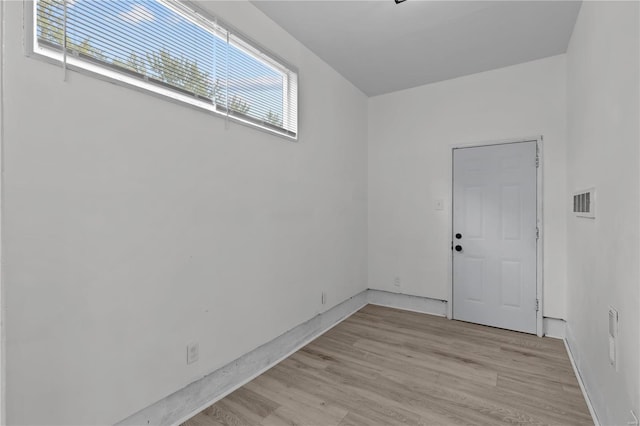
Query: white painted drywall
point(603, 97)
point(135, 226)
point(411, 133)
point(3, 410)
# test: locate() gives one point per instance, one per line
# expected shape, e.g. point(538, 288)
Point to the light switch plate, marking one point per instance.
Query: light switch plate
point(193, 352)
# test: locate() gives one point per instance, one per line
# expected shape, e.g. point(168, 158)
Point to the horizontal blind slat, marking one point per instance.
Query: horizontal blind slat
point(119, 32)
point(163, 42)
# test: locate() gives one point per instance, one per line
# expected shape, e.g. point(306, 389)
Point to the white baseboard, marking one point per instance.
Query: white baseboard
point(592, 411)
point(190, 400)
point(423, 305)
point(554, 327)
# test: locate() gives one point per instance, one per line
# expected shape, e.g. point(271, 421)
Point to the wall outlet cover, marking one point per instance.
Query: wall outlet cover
point(612, 351)
point(613, 337)
point(193, 352)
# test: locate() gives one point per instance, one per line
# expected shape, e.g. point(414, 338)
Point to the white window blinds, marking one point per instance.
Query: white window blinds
point(166, 44)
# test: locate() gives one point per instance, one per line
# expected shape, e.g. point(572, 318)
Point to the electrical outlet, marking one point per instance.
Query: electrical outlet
point(612, 352)
point(193, 352)
point(613, 337)
point(396, 281)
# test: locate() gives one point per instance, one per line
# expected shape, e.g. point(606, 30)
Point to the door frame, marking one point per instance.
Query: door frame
point(539, 140)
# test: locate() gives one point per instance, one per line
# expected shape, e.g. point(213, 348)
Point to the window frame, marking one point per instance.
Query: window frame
point(129, 79)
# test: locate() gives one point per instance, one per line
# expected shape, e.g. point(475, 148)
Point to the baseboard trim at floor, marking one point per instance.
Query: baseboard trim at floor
point(594, 417)
point(554, 327)
point(190, 400)
point(195, 397)
point(406, 302)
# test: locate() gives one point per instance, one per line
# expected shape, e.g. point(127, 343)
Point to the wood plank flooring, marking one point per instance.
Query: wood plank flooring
point(385, 366)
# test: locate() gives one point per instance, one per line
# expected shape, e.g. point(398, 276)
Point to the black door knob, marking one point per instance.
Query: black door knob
point(458, 248)
point(458, 236)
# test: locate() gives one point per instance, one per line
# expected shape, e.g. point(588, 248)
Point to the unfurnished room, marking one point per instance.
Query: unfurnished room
point(319, 213)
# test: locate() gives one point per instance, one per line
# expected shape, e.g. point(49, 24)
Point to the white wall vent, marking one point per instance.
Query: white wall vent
point(584, 203)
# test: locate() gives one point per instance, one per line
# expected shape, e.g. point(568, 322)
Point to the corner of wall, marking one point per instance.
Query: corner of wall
point(3, 376)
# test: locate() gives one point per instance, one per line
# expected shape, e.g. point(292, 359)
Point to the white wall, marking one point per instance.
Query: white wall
point(135, 225)
point(2, 308)
point(410, 137)
point(603, 74)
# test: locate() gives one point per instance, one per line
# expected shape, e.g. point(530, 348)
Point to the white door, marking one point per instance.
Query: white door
point(495, 235)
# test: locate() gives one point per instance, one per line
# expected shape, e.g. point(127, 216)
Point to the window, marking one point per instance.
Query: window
point(166, 47)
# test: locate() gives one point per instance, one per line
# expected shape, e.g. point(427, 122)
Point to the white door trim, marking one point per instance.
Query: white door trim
point(539, 215)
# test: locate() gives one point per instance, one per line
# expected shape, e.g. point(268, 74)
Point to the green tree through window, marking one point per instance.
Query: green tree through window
point(159, 43)
point(273, 118)
point(50, 23)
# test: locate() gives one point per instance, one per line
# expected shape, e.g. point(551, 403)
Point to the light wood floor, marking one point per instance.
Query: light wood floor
point(384, 366)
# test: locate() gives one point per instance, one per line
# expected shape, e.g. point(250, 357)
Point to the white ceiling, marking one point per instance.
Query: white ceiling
point(382, 47)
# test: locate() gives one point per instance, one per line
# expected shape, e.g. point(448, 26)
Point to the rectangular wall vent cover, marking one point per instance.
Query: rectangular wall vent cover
point(584, 203)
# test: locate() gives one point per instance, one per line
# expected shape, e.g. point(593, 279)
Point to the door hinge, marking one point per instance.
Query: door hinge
point(537, 305)
point(537, 161)
point(537, 233)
